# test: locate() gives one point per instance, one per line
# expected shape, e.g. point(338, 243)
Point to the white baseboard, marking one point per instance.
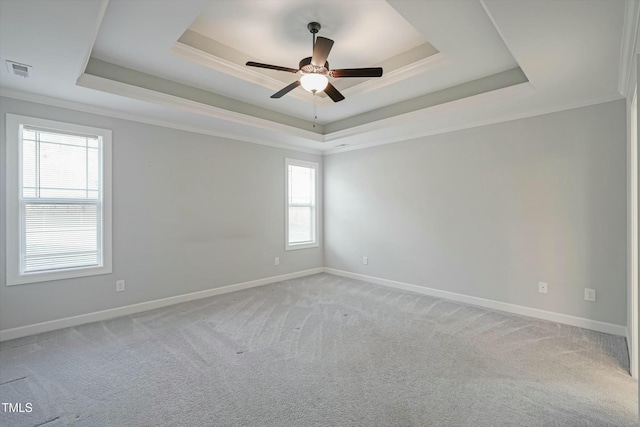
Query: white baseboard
point(580, 322)
point(23, 331)
point(609, 328)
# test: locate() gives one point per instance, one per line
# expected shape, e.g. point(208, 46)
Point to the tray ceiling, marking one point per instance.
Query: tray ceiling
point(447, 64)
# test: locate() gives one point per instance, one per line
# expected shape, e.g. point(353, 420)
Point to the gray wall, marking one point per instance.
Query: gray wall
point(486, 212)
point(491, 211)
point(190, 212)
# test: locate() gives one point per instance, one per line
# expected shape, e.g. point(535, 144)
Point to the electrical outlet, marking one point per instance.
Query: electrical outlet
point(543, 287)
point(119, 285)
point(589, 294)
point(365, 260)
point(276, 261)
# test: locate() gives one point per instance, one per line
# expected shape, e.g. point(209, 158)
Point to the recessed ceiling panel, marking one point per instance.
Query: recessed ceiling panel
point(365, 32)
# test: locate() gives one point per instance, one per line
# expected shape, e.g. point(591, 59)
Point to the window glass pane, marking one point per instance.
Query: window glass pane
point(93, 170)
point(61, 236)
point(301, 199)
point(62, 167)
point(29, 192)
point(301, 185)
point(62, 138)
point(29, 169)
point(28, 134)
point(59, 165)
point(300, 224)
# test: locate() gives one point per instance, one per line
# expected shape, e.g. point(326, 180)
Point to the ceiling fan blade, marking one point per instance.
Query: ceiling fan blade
point(357, 72)
point(271, 67)
point(286, 90)
point(333, 93)
point(321, 51)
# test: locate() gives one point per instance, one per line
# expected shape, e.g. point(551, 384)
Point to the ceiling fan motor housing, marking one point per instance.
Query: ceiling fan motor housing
point(313, 27)
point(307, 67)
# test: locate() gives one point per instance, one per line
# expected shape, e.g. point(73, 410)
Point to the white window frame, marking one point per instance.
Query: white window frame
point(15, 276)
point(315, 242)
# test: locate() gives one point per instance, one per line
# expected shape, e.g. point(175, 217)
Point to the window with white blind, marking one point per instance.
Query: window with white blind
point(58, 200)
point(301, 204)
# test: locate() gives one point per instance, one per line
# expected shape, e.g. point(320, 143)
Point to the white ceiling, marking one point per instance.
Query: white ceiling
point(368, 32)
point(448, 64)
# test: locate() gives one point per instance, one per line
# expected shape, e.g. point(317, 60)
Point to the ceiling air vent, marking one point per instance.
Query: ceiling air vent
point(17, 69)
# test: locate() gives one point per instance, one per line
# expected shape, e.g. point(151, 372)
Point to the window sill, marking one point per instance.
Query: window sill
point(295, 247)
point(56, 275)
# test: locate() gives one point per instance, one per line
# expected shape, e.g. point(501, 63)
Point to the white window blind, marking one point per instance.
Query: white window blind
point(61, 200)
point(58, 200)
point(301, 204)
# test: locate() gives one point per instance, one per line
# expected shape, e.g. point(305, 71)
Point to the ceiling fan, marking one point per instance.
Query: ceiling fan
point(315, 69)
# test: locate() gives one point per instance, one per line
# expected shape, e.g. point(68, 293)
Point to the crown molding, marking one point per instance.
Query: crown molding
point(394, 76)
point(628, 45)
point(497, 119)
point(131, 91)
point(208, 59)
point(106, 112)
point(402, 113)
point(245, 73)
point(91, 109)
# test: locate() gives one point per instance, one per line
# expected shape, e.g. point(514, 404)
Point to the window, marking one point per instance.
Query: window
point(301, 210)
point(58, 200)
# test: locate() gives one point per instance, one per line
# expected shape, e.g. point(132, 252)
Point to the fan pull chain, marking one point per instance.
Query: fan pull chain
point(315, 110)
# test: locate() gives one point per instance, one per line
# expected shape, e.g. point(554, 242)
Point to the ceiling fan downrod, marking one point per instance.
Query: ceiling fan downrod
point(314, 28)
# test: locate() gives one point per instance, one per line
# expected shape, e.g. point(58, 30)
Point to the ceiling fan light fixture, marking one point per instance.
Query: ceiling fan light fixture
point(315, 69)
point(314, 82)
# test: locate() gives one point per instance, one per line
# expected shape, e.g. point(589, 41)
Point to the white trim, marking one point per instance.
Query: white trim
point(92, 40)
point(520, 88)
point(14, 228)
point(23, 331)
point(217, 63)
point(149, 95)
point(595, 325)
point(628, 44)
point(92, 109)
point(316, 217)
point(504, 39)
point(440, 101)
point(632, 333)
point(627, 336)
point(328, 138)
point(405, 72)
